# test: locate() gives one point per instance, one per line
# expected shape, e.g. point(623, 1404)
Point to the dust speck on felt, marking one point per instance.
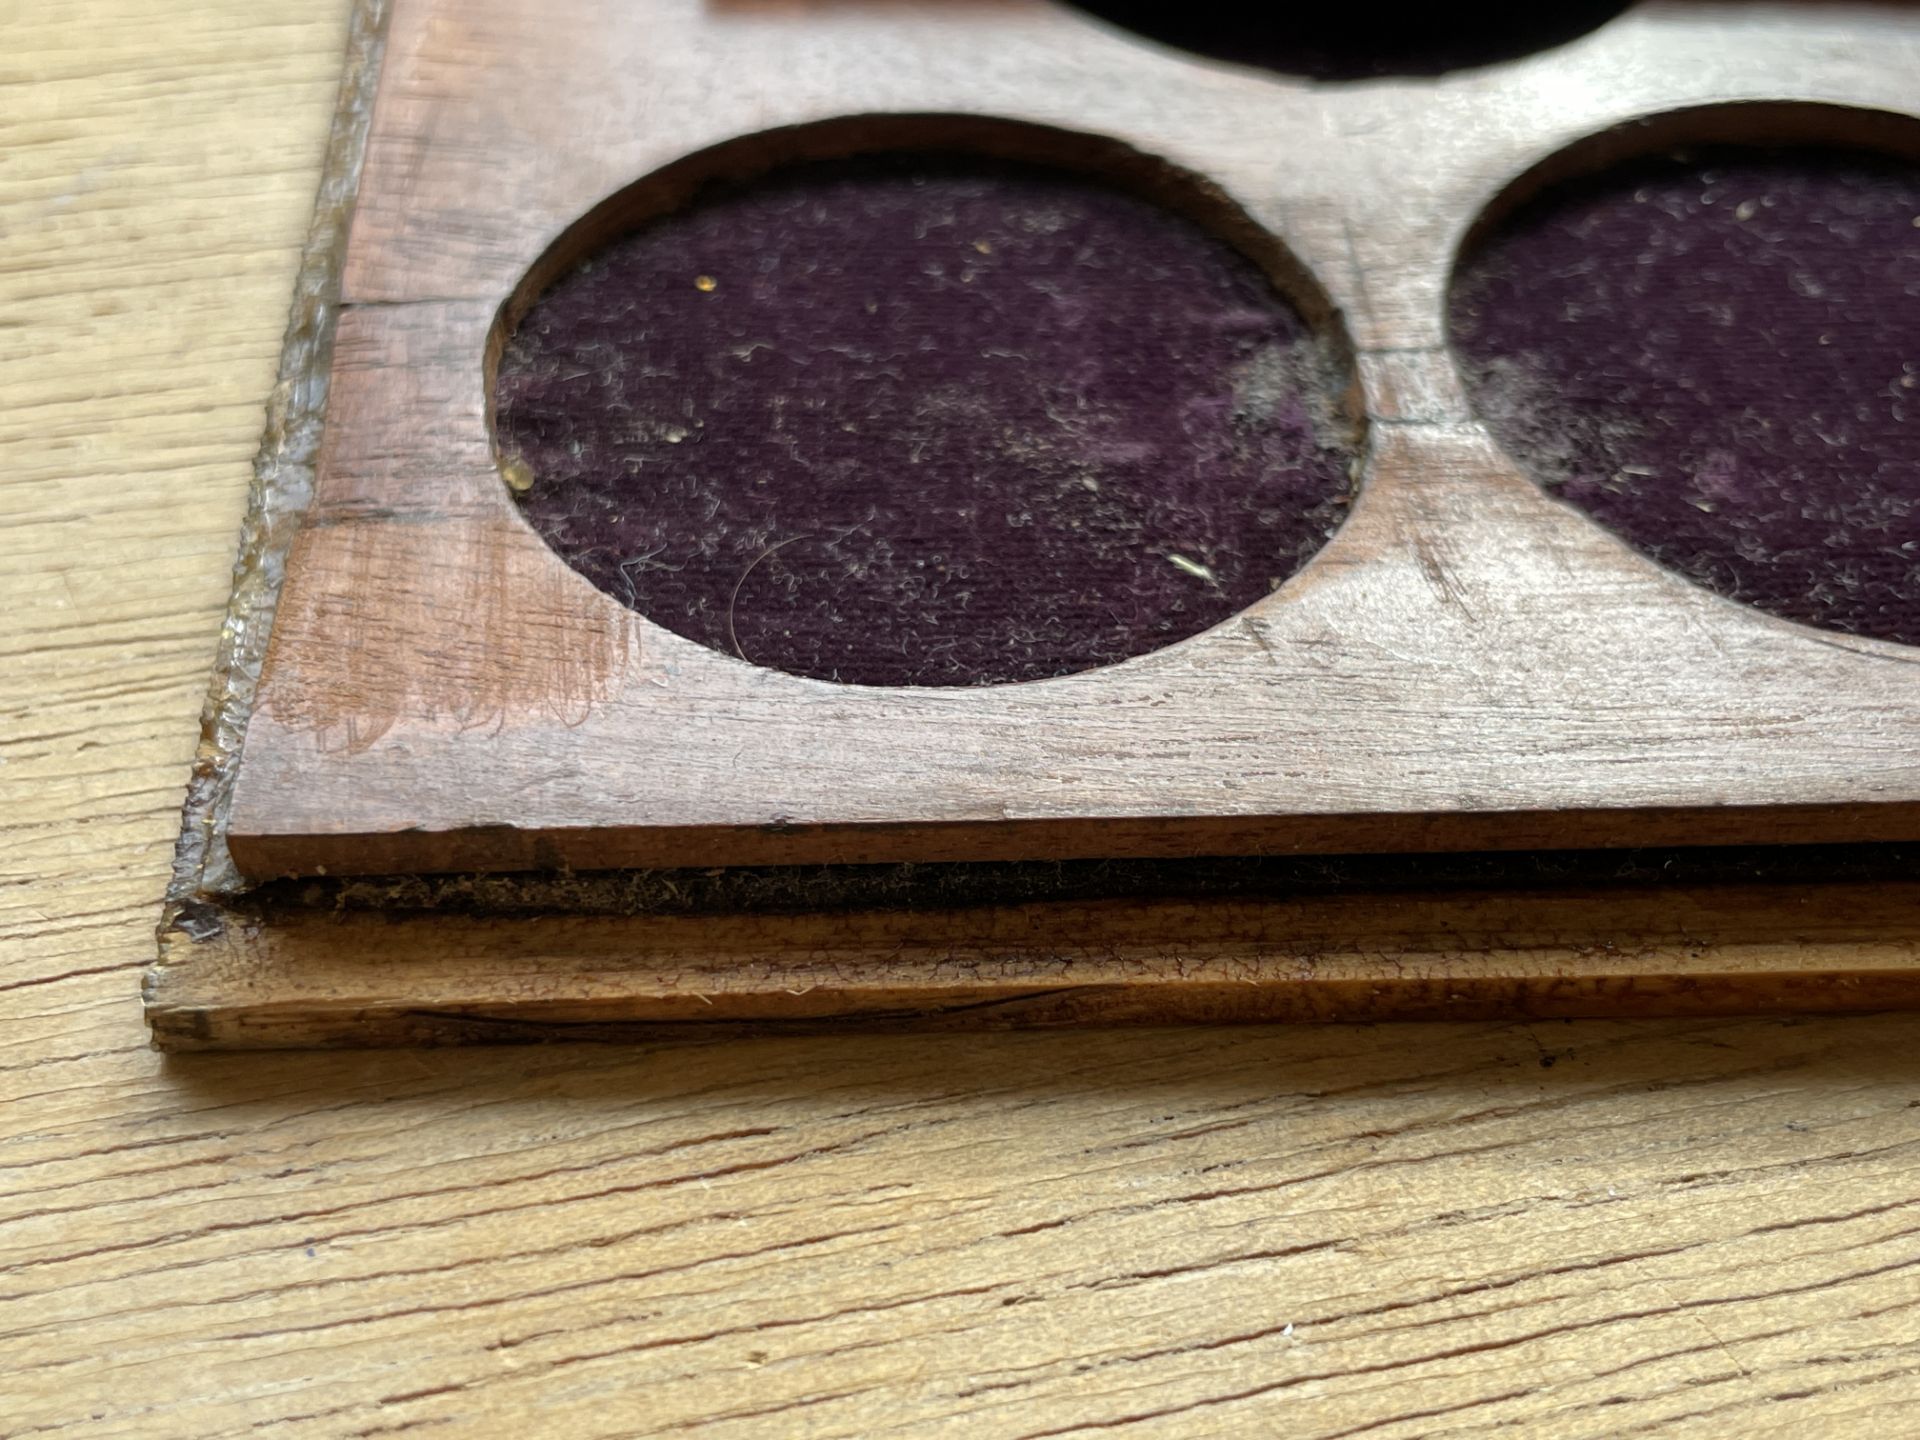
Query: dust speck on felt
point(518, 475)
point(1708, 352)
point(948, 427)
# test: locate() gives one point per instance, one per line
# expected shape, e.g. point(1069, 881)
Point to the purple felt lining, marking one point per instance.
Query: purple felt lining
point(1718, 358)
point(928, 421)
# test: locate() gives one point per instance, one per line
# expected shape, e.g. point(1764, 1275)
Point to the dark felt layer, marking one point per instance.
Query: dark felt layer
point(961, 886)
point(925, 421)
point(1357, 42)
point(1718, 358)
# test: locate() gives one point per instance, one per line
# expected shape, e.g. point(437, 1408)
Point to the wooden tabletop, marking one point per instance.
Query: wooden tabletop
point(1705, 1227)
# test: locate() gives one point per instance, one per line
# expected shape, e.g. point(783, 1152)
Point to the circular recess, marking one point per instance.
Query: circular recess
point(925, 419)
point(1356, 42)
point(1715, 353)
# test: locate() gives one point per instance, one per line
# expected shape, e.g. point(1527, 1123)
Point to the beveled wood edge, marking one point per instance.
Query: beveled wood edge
point(501, 848)
point(282, 486)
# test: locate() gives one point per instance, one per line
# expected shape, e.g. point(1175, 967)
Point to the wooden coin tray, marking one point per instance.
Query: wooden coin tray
point(416, 691)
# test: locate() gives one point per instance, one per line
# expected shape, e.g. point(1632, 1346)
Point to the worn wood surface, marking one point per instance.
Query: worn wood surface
point(1699, 1227)
point(1467, 663)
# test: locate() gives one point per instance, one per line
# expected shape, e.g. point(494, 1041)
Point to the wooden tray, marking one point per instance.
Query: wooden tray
point(1466, 665)
point(310, 976)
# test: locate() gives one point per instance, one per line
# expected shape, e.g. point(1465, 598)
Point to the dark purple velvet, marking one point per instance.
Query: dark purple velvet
point(1357, 42)
point(1718, 358)
point(925, 421)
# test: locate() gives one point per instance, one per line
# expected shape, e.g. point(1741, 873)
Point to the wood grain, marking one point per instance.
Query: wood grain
point(1693, 1227)
point(1466, 664)
point(304, 976)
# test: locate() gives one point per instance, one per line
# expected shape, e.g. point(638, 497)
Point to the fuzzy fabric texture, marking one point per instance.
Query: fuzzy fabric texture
point(1717, 356)
point(925, 421)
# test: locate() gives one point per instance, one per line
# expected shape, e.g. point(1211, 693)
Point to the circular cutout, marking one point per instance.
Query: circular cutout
point(1355, 42)
point(922, 419)
point(1716, 354)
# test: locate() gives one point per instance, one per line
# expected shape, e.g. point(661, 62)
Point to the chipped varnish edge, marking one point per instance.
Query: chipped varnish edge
point(282, 489)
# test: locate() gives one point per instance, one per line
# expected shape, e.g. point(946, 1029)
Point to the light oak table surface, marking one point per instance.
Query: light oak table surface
point(1702, 1228)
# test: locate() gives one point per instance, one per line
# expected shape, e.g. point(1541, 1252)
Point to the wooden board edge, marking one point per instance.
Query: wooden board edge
point(506, 848)
point(333, 979)
point(283, 473)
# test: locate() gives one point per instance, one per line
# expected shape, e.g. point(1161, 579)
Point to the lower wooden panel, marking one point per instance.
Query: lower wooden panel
point(307, 978)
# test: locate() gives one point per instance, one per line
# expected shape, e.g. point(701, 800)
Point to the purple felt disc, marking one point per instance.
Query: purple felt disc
point(1717, 356)
point(925, 421)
